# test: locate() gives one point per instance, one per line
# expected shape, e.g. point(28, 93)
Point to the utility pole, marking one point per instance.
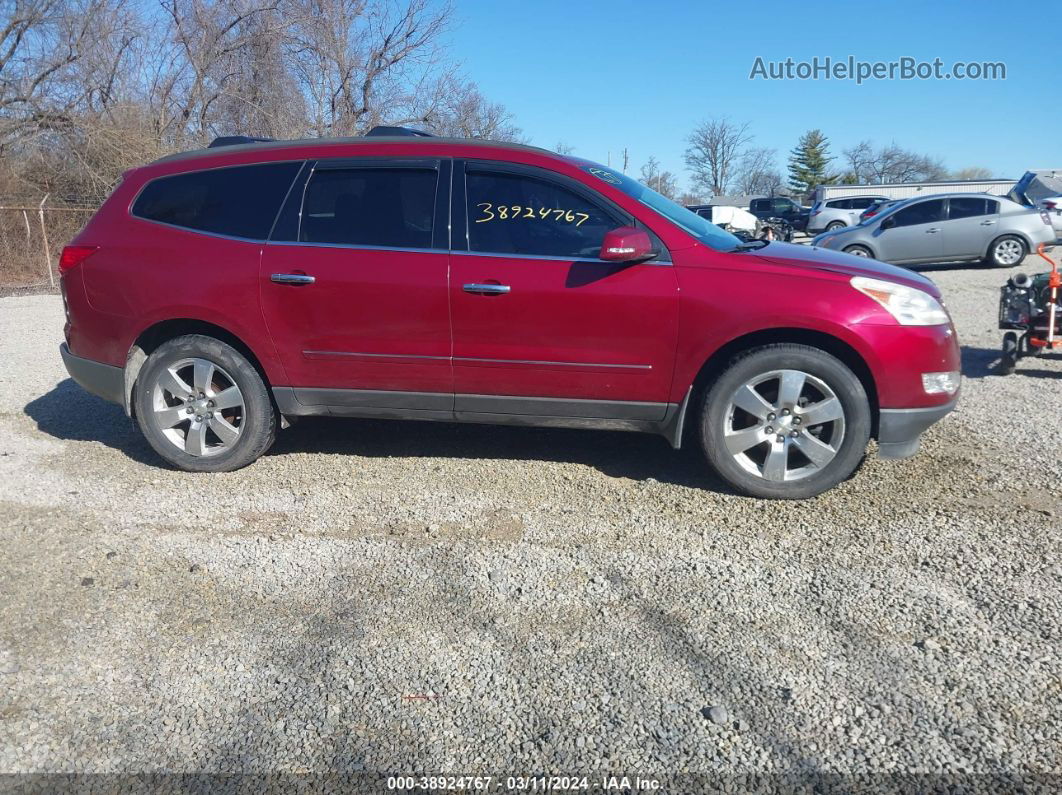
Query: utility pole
point(626, 160)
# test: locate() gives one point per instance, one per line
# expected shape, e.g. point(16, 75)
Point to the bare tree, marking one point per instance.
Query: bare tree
point(757, 173)
point(357, 60)
point(655, 177)
point(891, 164)
point(714, 149)
point(463, 112)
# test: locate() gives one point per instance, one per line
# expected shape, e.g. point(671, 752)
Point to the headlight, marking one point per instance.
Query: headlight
point(909, 306)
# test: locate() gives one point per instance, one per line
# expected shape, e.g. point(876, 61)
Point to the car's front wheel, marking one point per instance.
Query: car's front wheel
point(203, 406)
point(785, 421)
point(859, 251)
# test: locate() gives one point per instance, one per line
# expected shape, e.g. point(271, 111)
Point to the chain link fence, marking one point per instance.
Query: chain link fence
point(31, 237)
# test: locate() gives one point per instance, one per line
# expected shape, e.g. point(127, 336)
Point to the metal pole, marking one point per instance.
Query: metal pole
point(44, 237)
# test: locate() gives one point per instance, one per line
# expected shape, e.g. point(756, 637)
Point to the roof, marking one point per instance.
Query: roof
point(403, 140)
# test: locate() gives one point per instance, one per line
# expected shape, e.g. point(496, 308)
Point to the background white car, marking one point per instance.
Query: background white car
point(838, 213)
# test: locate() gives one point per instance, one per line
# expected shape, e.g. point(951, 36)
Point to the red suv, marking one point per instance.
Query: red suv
point(218, 293)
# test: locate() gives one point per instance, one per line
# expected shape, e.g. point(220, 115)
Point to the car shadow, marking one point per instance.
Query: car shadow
point(618, 454)
point(70, 413)
point(984, 362)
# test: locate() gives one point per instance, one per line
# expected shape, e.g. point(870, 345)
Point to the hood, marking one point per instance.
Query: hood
point(822, 259)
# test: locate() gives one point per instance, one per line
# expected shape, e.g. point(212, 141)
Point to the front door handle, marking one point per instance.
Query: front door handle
point(487, 289)
point(932, 231)
point(987, 223)
point(295, 279)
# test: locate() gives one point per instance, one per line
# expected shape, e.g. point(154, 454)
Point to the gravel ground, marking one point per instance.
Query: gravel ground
point(407, 598)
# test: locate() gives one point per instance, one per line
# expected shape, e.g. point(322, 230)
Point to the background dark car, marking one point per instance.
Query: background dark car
point(781, 207)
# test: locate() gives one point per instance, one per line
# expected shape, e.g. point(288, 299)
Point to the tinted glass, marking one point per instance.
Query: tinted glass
point(760, 204)
point(516, 214)
point(390, 207)
point(704, 231)
point(920, 213)
point(241, 201)
point(839, 204)
point(862, 204)
point(970, 207)
point(782, 205)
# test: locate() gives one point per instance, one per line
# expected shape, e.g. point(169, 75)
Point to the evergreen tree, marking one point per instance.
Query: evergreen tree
point(808, 162)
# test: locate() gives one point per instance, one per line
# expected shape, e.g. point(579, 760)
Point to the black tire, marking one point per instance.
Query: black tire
point(1009, 360)
point(859, 251)
point(1012, 242)
point(716, 414)
point(254, 419)
point(832, 225)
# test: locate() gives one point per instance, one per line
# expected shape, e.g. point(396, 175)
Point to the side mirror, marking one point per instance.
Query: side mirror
point(888, 223)
point(626, 244)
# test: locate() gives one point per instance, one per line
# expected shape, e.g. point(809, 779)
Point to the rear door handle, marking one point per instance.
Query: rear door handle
point(487, 289)
point(295, 279)
point(987, 223)
point(932, 231)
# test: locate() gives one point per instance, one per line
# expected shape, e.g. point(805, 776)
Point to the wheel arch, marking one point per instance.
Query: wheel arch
point(835, 346)
point(1029, 247)
point(164, 330)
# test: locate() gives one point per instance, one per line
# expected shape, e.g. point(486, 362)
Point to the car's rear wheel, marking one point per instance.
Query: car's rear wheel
point(835, 225)
point(859, 251)
point(203, 406)
point(1007, 251)
point(785, 421)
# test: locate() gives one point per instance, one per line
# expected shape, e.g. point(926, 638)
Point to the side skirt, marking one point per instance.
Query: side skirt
point(665, 419)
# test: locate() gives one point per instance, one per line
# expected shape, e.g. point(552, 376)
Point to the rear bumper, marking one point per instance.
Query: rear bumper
point(104, 380)
point(900, 430)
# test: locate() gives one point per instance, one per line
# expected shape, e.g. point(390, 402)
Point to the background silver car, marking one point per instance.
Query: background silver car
point(839, 213)
point(946, 227)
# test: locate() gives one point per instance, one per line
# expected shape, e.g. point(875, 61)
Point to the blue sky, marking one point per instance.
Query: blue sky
point(601, 76)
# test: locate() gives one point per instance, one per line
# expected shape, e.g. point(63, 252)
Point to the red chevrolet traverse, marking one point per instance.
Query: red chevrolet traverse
point(218, 293)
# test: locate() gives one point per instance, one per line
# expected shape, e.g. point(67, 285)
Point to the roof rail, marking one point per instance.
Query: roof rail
point(233, 140)
point(384, 130)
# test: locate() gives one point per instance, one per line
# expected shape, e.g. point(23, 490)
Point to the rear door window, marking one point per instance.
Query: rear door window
point(236, 201)
point(926, 212)
point(971, 207)
point(511, 213)
point(370, 206)
point(839, 204)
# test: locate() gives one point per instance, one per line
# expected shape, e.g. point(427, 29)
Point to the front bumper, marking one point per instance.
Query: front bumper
point(900, 430)
point(104, 380)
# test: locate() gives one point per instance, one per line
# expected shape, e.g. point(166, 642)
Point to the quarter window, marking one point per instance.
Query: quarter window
point(239, 201)
point(926, 212)
point(518, 214)
point(971, 207)
point(385, 207)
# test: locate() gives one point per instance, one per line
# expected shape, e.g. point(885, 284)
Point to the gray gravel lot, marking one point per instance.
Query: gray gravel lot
point(407, 597)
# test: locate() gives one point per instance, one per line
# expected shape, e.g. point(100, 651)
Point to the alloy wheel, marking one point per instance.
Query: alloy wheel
point(1009, 252)
point(784, 425)
point(198, 407)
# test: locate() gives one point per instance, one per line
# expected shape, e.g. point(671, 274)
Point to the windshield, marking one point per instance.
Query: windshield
point(701, 228)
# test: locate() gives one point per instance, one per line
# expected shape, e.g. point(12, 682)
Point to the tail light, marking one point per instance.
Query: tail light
point(73, 256)
point(816, 211)
point(1045, 217)
point(1050, 205)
